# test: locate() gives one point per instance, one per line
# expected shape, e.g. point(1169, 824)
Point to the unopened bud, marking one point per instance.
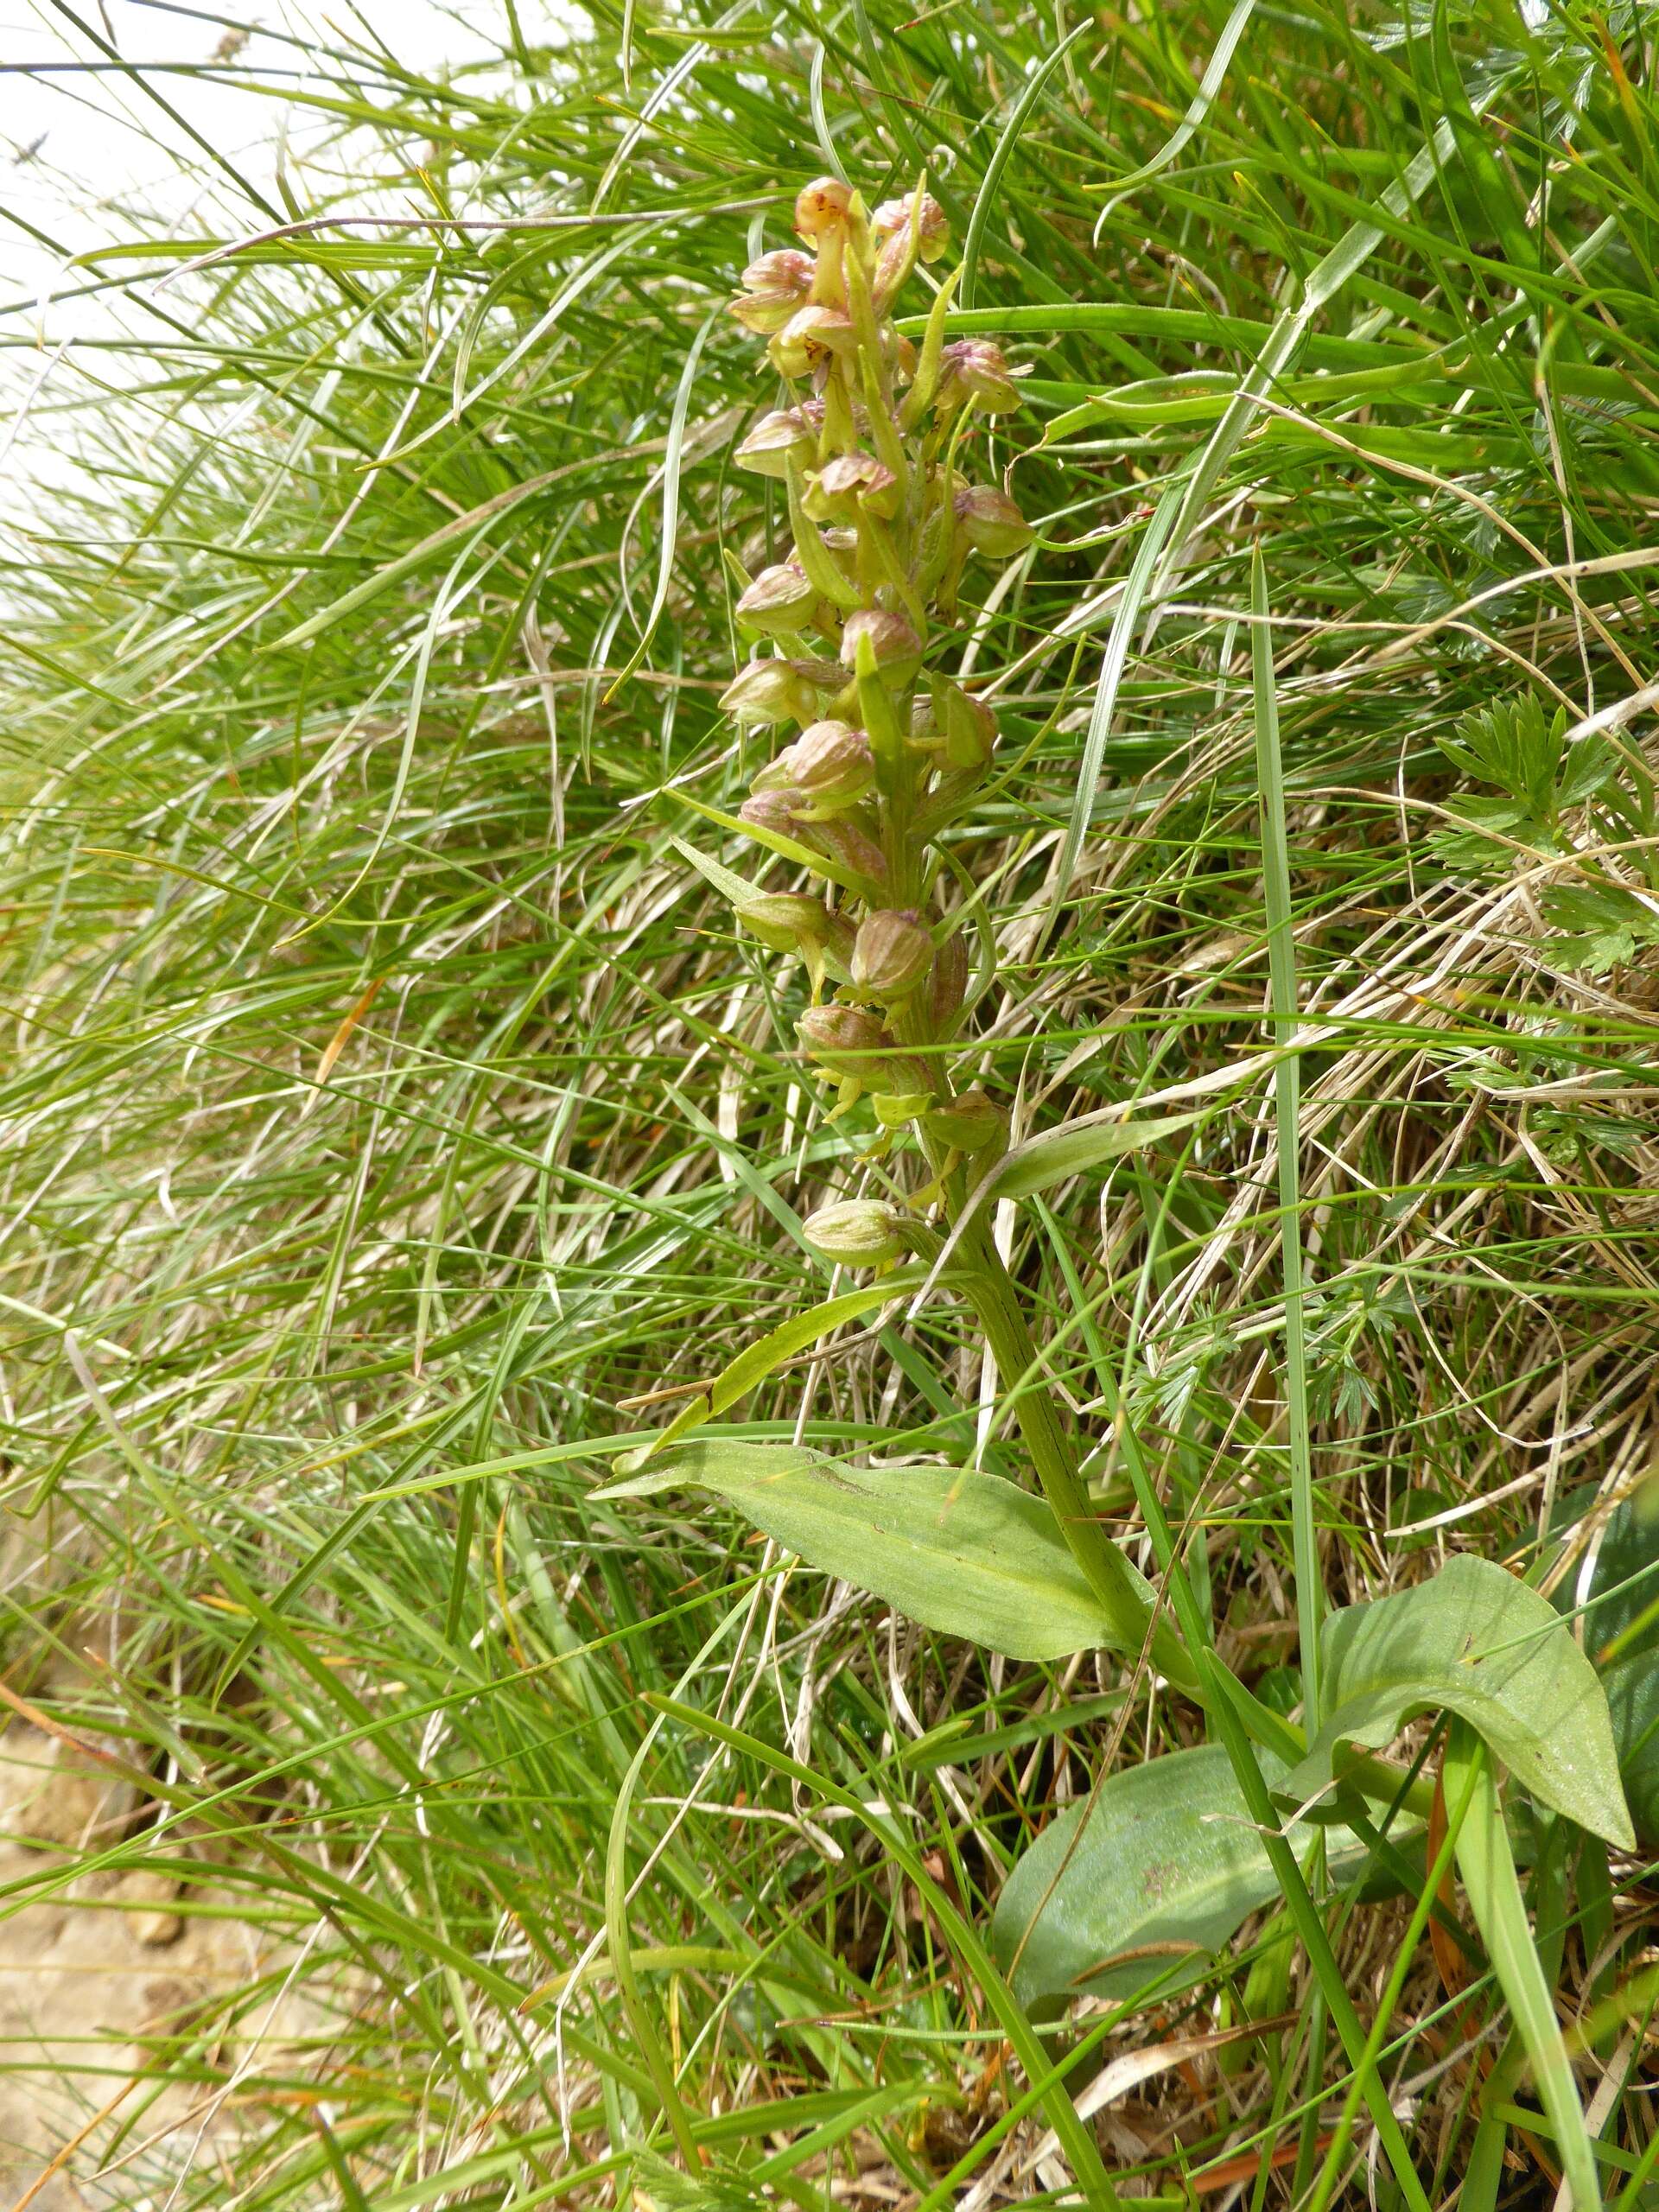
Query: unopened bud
point(810, 335)
point(831, 763)
point(897, 648)
point(964, 728)
point(970, 1123)
point(823, 205)
point(991, 523)
point(852, 1043)
point(773, 810)
point(947, 986)
point(852, 484)
point(976, 369)
point(841, 837)
point(846, 1040)
point(857, 1232)
point(789, 921)
point(892, 954)
point(776, 439)
point(778, 602)
point(780, 691)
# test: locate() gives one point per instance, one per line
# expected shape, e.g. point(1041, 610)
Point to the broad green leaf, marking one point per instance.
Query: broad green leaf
point(958, 1550)
point(1155, 1871)
point(1476, 1643)
point(1493, 1890)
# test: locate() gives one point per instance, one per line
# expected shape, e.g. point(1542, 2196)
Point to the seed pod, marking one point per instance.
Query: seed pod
point(892, 954)
point(947, 986)
point(823, 205)
point(779, 602)
point(894, 218)
point(780, 691)
point(857, 1232)
point(851, 485)
point(974, 369)
point(970, 1123)
point(897, 648)
point(991, 523)
point(777, 438)
point(831, 763)
point(964, 727)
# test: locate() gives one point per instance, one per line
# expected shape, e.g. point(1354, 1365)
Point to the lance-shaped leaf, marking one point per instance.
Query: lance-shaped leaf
point(1476, 1643)
point(958, 1550)
point(1138, 1886)
point(756, 1361)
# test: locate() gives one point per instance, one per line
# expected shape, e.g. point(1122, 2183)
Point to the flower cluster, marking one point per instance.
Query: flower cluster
point(850, 631)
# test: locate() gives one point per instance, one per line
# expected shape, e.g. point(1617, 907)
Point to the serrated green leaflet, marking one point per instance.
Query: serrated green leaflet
point(957, 1550)
point(1477, 1642)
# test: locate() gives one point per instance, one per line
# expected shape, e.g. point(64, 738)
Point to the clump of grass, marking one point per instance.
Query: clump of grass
point(396, 1127)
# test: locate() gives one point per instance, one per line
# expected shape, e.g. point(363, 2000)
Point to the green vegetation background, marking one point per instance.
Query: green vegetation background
point(387, 1106)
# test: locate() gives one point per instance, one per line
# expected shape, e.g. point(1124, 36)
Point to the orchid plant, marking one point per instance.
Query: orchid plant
point(858, 645)
point(855, 634)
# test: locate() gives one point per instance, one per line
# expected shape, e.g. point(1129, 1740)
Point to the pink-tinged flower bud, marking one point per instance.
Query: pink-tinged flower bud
point(831, 764)
point(778, 602)
point(788, 271)
point(856, 1232)
point(811, 335)
point(897, 648)
point(776, 439)
point(773, 810)
point(964, 728)
point(773, 287)
point(853, 1044)
point(991, 523)
point(780, 691)
point(892, 954)
point(852, 484)
point(790, 921)
point(970, 1123)
point(893, 219)
point(857, 851)
point(846, 1040)
point(823, 205)
point(947, 986)
point(973, 369)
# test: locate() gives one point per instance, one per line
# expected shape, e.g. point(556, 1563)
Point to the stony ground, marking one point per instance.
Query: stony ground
point(89, 1979)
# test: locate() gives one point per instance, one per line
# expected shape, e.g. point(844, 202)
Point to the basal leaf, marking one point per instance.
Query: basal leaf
point(1476, 1643)
point(1155, 1873)
point(958, 1550)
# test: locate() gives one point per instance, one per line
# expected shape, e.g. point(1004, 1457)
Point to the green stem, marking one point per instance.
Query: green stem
point(996, 1301)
